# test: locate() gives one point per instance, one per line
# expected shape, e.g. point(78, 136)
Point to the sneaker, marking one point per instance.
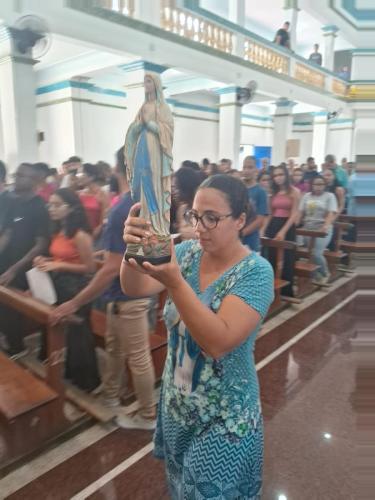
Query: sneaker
point(17, 355)
point(135, 422)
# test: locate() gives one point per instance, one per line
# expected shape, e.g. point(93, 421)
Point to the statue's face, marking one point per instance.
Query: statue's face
point(149, 85)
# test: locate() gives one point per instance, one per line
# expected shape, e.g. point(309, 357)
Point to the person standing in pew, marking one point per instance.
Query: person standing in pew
point(4, 196)
point(281, 224)
point(70, 263)
point(317, 212)
point(259, 201)
point(219, 293)
point(127, 335)
point(24, 235)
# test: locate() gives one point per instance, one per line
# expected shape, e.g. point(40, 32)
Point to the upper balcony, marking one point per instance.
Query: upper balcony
point(186, 19)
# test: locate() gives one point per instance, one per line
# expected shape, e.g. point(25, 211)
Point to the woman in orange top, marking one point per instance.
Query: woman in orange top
point(70, 265)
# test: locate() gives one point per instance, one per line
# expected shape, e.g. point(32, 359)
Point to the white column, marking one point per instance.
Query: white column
point(148, 12)
point(292, 6)
point(282, 131)
point(229, 126)
point(236, 15)
point(363, 138)
point(330, 33)
point(320, 137)
point(18, 103)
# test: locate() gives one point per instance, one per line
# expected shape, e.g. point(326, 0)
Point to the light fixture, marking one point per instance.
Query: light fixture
point(282, 497)
point(327, 435)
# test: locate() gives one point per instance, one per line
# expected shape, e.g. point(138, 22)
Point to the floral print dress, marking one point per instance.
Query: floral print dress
point(210, 428)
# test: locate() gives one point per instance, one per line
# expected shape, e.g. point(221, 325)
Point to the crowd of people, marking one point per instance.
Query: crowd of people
point(55, 221)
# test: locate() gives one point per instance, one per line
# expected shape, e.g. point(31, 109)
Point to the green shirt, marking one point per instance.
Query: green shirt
point(341, 176)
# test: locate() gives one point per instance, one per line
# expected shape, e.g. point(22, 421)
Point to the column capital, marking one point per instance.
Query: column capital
point(330, 30)
point(284, 106)
point(143, 65)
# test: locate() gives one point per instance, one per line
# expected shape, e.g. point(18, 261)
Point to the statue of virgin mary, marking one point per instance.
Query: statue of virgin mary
point(148, 156)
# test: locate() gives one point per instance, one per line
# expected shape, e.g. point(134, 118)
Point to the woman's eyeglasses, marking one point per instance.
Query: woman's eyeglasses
point(208, 220)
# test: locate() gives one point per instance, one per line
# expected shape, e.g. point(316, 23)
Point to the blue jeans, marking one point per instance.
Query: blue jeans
point(318, 252)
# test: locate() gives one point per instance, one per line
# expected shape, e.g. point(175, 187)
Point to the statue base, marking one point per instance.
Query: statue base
point(155, 261)
point(157, 253)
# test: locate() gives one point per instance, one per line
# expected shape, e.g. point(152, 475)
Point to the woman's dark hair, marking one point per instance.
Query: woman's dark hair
point(318, 177)
point(236, 193)
point(187, 183)
point(287, 184)
point(205, 162)
point(331, 188)
point(91, 171)
point(76, 219)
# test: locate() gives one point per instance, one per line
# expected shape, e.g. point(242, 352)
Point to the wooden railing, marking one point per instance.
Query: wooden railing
point(308, 75)
point(125, 7)
point(266, 57)
point(196, 28)
point(339, 88)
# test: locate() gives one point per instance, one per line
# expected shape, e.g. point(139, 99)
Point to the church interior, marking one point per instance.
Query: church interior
point(187, 249)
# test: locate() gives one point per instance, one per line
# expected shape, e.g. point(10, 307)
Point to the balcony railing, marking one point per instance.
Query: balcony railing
point(198, 29)
point(308, 75)
point(125, 7)
point(227, 37)
point(266, 57)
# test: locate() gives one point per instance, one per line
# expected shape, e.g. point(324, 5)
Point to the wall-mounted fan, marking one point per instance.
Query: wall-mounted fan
point(333, 114)
point(31, 34)
point(246, 94)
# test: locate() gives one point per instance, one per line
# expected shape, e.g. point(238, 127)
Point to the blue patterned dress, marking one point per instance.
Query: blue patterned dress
point(210, 431)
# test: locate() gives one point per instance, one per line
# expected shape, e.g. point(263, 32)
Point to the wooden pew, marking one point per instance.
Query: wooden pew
point(364, 236)
point(31, 410)
point(280, 247)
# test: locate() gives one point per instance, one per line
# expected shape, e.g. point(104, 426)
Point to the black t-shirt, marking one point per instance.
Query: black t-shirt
point(316, 58)
point(26, 220)
point(5, 201)
point(284, 37)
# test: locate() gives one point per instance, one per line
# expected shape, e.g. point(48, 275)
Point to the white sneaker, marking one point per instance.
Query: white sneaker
point(135, 422)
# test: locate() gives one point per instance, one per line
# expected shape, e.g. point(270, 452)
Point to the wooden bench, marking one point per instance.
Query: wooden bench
point(280, 247)
point(31, 410)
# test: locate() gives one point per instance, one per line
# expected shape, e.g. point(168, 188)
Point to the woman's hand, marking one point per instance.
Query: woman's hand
point(137, 230)
point(40, 260)
point(167, 274)
point(49, 265)
point(62, 311)
point(280, 236)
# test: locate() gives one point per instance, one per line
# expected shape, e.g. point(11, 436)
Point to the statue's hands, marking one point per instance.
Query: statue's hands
point(152, 127)
point(137, 230)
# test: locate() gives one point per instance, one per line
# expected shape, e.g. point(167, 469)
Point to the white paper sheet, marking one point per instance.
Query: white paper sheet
point(41, 286)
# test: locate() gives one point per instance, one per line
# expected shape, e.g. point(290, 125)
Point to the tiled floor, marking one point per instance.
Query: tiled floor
point(310, 421)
